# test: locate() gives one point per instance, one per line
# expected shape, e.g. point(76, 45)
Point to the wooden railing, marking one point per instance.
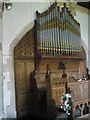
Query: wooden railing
point(80, 95)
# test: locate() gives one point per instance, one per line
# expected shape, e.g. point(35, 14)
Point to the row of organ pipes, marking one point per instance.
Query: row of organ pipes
point(58, 33)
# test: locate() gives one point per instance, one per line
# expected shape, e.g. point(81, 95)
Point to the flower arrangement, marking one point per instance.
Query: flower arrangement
point(65, 103)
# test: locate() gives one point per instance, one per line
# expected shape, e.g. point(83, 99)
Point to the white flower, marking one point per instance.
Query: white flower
point(66, 102)
point(60, 106)
point(68, 113)
point(67, 105)
point(79, 80)
point(68, 95)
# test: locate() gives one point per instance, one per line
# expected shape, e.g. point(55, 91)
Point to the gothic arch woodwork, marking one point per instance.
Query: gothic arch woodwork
point(25, 47)
point(24, 65)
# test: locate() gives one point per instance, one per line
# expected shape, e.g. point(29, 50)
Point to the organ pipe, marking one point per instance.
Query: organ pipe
point(58, 33)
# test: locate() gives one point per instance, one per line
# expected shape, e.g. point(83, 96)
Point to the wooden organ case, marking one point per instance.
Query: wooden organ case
point(55, 38)
point(58, 39)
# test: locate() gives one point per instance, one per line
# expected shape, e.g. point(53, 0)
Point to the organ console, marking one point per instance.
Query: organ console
point(58, 33)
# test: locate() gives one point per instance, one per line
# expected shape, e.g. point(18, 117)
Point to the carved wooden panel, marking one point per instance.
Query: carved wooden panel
point(80, 93)
point(25, 47)
point(57, 93)
point(76, 92)
point(58, 88)
point(74, 68)
point(79, 90)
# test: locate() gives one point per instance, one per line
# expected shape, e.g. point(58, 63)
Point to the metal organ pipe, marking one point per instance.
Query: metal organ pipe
point(58, 33)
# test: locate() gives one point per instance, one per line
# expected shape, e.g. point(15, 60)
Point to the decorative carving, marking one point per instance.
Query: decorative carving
point(62, 66)
point(48, 72)
point(64, 75)
point(25, 47)
point(71, 5)
point(87, 74)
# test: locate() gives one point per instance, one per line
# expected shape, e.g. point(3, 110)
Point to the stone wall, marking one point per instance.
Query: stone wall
point(1, 66)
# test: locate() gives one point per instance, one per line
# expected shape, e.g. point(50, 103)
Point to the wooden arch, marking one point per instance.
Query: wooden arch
point(24, 65)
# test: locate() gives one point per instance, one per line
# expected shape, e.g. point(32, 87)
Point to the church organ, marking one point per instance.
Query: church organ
point(55, 38)
point(58, 39)
point(58, 33)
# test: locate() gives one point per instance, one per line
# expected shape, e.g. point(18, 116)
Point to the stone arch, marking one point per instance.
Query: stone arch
point(20, 35)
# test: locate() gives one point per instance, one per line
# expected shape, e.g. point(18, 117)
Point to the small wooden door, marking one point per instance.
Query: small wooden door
point(23, 93)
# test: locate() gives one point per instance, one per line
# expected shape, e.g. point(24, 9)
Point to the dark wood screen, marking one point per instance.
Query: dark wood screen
point(25, 47)
point(24, 65)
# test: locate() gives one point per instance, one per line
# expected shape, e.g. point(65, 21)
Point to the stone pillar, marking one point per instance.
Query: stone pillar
point(1, 84)
point(1, 67)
